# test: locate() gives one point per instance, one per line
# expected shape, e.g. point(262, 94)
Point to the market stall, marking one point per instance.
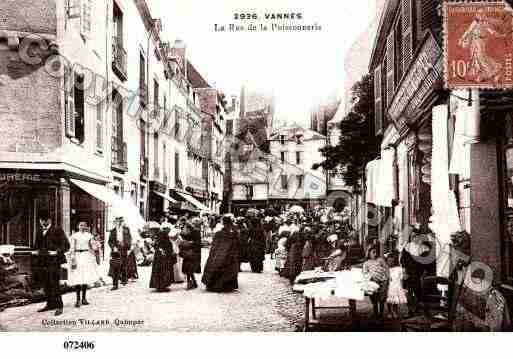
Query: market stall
point(344, 288)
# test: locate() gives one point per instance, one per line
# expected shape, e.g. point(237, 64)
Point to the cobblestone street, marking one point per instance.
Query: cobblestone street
point(264, 302)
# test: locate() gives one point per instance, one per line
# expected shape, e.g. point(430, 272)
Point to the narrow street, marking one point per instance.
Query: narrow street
point(264, 302)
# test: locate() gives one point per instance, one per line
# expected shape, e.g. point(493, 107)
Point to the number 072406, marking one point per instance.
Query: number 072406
point(78, 345)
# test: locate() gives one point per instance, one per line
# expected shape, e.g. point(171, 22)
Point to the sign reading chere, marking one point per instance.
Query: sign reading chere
point(418, 83)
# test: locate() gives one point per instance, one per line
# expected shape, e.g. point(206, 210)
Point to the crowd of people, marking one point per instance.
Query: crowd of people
point(296, 241)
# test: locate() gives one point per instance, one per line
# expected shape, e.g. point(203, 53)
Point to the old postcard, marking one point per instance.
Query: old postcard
point(255, 166)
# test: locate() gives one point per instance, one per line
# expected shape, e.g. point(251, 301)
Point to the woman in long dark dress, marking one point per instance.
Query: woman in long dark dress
point(244, 236)
point(196, 248)
point(163, 261)
point(294, 262)
point(222, 267)
point(256, 249)
point(186, 245)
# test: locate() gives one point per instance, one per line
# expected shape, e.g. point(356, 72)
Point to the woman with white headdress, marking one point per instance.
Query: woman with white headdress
point(175, 238)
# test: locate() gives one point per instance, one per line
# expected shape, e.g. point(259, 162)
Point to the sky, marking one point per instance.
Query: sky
point(299, 68)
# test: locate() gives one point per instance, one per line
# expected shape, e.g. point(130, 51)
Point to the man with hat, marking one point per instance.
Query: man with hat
point(51, 244)
point(120, 243)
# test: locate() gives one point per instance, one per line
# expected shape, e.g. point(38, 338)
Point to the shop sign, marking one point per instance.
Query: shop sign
point(420, 81)
point(478, 45)
point(20, 177)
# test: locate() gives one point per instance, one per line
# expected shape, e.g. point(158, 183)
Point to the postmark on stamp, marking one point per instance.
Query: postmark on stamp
point(478, 45)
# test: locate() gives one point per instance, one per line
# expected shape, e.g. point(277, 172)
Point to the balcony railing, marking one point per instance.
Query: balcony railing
point(119, 157)
point(144, 168)
point(119, 58)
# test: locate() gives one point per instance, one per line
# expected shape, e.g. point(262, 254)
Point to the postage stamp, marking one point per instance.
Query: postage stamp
point(478, 45)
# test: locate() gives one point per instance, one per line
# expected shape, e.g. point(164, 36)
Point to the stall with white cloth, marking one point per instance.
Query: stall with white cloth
point(116, 207)
point(340, 290)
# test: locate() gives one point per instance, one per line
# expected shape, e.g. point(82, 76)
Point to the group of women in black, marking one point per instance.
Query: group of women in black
point(311, 245)
point(188, 237)
point(252, 242)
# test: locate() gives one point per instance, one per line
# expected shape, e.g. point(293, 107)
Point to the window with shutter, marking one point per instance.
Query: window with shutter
point(69, 102)
point(398, 46)
point(407, 33)
point(284, 183)
point(177, 168)
point(390, 81)
point(99, 127)
point(378, 107)
point(86, 17)
point(156, 153)
point(428, 16)
point(114, 138)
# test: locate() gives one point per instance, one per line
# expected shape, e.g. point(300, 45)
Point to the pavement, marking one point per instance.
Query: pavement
point(264, 302)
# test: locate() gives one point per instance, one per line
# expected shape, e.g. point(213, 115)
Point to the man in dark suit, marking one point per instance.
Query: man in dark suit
point(120, 243)
point(51, 244)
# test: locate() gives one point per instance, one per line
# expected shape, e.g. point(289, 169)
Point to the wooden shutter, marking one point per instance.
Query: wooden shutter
point(86, 17)
point(407, 33)
point(378, 103)
point(428, 16)
point(119, 116)
point(114, 137)
point(177, 167)
point(390, 80)
point(99, 126)
point(69, 101)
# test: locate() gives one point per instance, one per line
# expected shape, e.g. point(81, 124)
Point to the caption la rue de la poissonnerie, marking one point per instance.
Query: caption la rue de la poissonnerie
point(267, 22)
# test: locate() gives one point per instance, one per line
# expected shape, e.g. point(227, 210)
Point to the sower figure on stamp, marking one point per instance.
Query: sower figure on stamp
point(120, 242)
point(51, 244)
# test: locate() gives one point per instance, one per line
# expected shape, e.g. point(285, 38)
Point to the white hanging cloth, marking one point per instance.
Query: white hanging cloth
point(371, 177)
point(445, 219)
point(385, 191)
point(458, 148)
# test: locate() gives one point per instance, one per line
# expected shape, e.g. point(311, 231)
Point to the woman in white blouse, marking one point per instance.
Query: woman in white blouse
point(83, 262)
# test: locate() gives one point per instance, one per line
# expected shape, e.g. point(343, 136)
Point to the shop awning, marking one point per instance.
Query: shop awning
point(193, 201)
point(171, 200)
point(120, 207)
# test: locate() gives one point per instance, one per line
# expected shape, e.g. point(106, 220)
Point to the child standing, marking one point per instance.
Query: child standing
point(396, 293)
point(375, 269)
point(280, 255)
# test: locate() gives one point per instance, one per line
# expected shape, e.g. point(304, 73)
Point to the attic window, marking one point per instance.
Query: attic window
point(299, 139)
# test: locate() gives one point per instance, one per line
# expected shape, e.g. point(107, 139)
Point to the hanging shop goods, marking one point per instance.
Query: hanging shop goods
point(478, 45)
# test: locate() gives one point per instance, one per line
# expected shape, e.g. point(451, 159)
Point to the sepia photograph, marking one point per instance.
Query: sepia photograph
point(255, 167)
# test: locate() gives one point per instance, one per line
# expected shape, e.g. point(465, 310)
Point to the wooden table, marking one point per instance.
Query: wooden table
point(343, 284)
